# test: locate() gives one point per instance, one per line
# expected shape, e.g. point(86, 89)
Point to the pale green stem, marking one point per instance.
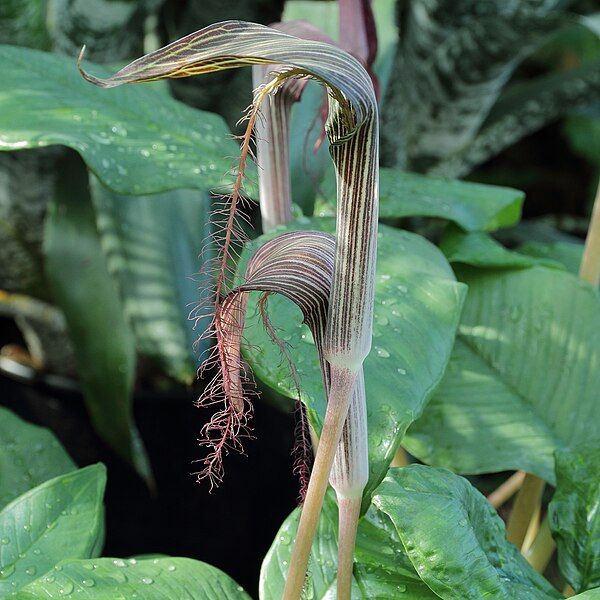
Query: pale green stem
point(540, 552)
point(401, 458)
point(532, 530)
point(589, 269)
point(342, 383)
point(507, 490)
point(524, 509)
point(349, 513)
point(349, 476)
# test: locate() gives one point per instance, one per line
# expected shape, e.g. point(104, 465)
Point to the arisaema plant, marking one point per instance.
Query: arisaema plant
point(344, 334)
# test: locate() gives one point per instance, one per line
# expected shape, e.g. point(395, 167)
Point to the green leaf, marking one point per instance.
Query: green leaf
point(136, 139)
point(29, 455)
point(381, 568)
point(438, 98)
point(152, 245)
point(522, 380)
point(589, 595)
point(417, 306)
point(62, 518)
point(524, 109)
point(23, 23)
point(455, 539)
point(105, 347)
point(574, 514)
point(479, 249)
point(584, 135)
point(111, 30)
point(117, 579)
point(565, 253)
point(472, 206)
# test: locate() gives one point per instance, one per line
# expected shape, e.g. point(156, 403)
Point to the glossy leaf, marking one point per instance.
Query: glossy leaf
point(455, 539)
point(83, 288)
point(522, 380)
point(153, 246)
point(567, 254)
point(589, 595)
point(23, 23)
point(29, 455)
point(117, 579)
point(62, 518)
point(472, 206)
point(479, 249)
point(453, 62)
point(523, 110)
point(417, 305)
point(112, 30)
point(381, 569)
point(136, 139)
point(574, 514)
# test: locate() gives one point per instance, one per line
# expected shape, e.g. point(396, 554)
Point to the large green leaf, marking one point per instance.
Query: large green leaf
point(417, 306)
point(62, 518)
point(574, 514)
point(522, 380)
point(454, 538)
point(589, 595)
point(29, 455)
point(566, 253)
point(382, 569)
point(524, 109)
point(472, 206)
point(479, 249)
point(112, 30)
point(152, 245)
point(135, 138)
point(83, 288)
point(453, 61)
point(117, 579)
point(23, 22)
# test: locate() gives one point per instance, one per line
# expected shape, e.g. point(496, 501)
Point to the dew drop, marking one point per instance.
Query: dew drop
point(147, 580)
point(7, 571)
point(5, 540)
point(171, 568)
point(88, 582)
point(30, 570)
point(382, 352)
point(401, 371)
point(66, 588)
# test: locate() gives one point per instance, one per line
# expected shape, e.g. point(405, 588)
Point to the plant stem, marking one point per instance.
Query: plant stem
point(540, 552)
point(401, 458)
point(590, 262)
point(526, 503)
point(568, 591)
point(340, 394)
point(505, 491)
point(349, 513)
point(532, 530)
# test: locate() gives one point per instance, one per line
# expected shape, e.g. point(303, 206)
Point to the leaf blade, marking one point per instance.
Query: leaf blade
point(39, 534)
